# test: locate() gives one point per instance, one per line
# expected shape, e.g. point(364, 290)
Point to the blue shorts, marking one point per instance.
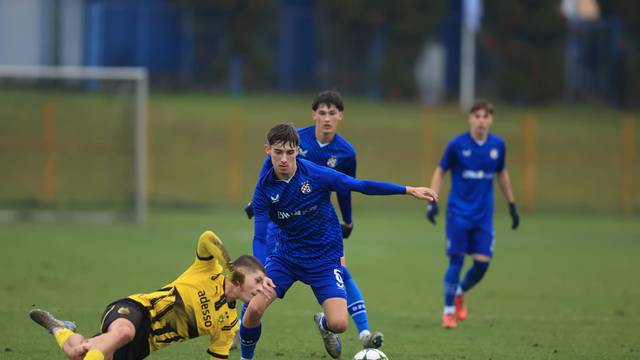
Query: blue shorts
point(464, 237)
point(325, 279)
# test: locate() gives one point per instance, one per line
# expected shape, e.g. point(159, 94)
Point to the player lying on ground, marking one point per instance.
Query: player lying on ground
point(199, 302)
point(295, 194)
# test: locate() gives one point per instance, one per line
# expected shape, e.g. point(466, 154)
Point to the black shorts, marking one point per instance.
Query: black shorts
point(135, 312)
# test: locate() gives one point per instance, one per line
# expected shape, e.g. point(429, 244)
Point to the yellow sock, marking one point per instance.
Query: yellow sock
point(94, 354)
point(62, 336)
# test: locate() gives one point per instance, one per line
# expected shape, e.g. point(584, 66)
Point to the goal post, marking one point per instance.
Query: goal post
point(51, 116)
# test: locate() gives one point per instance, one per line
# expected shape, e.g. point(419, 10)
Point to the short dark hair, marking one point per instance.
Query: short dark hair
point(283, 133)
point(328, 98)
point(248, 262)
point(482, 104)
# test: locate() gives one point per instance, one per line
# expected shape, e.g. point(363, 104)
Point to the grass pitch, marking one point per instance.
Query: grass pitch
point(560, 287)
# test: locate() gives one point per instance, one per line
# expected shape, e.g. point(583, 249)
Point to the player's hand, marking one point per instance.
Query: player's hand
point(422, 193)
point(346, 230)
point(268, 289)
point(249, 210)
point(515, 217)
point(432, 212)
point(78, 352)
point(269, 283)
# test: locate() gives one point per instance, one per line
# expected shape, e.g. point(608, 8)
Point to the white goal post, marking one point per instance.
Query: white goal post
point(139, 77)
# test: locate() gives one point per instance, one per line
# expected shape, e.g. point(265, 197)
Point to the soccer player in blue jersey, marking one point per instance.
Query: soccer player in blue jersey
point(322, 145)
point(295, 194)
point(475, 158)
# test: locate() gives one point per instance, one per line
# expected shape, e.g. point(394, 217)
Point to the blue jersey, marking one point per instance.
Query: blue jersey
point(473, 167)
point(309, 232)
point(339, 155)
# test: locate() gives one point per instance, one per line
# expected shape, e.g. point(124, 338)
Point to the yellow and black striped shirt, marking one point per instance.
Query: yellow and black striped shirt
point(193, 305)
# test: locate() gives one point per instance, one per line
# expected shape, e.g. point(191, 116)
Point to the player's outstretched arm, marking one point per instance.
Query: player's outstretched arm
point(210, 246)
point(339, 182)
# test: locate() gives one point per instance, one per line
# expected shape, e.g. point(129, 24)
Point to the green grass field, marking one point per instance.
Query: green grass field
point(561, 287)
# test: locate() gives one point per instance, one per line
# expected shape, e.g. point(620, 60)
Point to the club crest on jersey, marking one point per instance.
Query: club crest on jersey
point(303, 152)
point(493, 154)
point(305, 188)
point(466, 152)
point(332, 162)
point(275, 199)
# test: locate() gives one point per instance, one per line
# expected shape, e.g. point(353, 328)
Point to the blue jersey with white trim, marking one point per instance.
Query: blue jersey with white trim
point(339, 155)
point(309, 232)
point(473, 167)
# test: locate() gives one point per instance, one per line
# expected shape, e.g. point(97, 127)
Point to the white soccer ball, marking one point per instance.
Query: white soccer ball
point(370, 354)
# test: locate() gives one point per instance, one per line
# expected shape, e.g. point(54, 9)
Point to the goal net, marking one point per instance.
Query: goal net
point(73, 143)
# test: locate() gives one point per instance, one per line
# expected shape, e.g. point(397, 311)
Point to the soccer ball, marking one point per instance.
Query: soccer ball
point(370, 354)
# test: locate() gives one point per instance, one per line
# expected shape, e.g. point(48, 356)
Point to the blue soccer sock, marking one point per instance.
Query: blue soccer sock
point(355, 302)
point(248, 340)
point(452, 278)
point(474, 275)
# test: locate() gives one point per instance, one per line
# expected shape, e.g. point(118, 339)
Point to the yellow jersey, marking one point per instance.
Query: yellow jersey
point(193, 305)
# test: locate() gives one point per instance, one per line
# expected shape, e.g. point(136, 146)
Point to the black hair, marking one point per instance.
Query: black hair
point(328, 98)
point(283, 133)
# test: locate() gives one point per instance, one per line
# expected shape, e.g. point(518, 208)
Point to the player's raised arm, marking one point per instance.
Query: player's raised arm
point(340, 182)
point(210, 247)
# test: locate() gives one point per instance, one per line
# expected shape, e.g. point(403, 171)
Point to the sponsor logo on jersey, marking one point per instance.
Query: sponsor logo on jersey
point(204, 306)
point(493, 154)
point(466, 152)
point(303, 152)
point(332, 161)
point(476, 175)
point(305, 188)
point(275, 199)
point(282, 215)
point(124, 310)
